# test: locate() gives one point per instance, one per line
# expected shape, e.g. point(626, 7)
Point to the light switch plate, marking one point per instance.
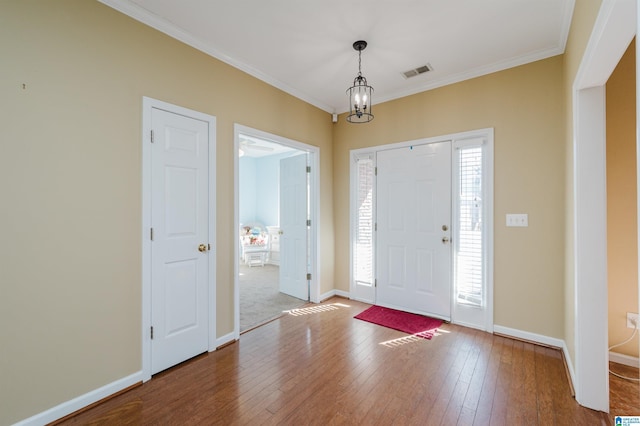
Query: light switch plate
point(520, 219)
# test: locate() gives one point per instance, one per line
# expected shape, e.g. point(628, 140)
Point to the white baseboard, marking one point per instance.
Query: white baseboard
point(330, 294)
point(543, 340)
point(567, 360)
point(227, 338)
point(344, 294)
point(532, 337)
point(631, 361)
point(71, 406)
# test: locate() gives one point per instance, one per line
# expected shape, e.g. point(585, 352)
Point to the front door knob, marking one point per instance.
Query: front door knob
point(202, 248)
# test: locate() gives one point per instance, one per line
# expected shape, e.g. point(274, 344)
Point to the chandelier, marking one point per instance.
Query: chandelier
point(360, 93)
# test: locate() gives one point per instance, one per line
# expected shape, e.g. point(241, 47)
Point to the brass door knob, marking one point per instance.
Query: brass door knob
point(202, 248)
point(445, 240)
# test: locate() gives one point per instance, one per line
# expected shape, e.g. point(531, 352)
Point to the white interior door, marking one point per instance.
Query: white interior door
point(414, 221)
point(179, 210)
point(293, 226)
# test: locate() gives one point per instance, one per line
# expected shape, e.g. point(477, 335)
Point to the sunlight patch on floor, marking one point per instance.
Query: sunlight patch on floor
point(412, 338)
point(314, 309)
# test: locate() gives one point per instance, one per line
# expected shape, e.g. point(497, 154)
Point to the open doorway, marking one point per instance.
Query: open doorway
point(613, 30)
point(275, 256)
point(622, 243)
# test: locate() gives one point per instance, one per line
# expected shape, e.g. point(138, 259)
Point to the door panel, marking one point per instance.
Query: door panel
point(293, 225)
point(179, 281)
point(414, 208)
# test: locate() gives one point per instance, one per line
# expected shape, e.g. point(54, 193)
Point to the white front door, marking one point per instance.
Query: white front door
point(179, 216)
point(414, 222)
point(293, 226)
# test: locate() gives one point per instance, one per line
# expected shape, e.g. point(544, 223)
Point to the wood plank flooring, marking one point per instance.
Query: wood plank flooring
point(624, 395)
point(323, 367)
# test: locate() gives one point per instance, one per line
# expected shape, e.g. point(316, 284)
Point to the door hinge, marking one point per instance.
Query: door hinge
point(151, 332)
point(375, 282)
point(151, 234)
point(375, 171)
point(308, 222)
point(308, 277)
point(152, 139)
point(308, 169)
point(375, 226)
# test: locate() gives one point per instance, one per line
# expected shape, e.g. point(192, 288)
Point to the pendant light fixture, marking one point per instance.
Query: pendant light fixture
point(360, 93)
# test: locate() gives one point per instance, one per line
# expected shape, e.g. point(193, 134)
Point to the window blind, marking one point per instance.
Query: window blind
point(363, 253)
point(469, 264)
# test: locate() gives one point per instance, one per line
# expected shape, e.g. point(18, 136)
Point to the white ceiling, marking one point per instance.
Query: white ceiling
point(305, 48)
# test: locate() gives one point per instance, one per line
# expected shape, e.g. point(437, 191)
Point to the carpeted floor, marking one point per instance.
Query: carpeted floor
point(260, 298)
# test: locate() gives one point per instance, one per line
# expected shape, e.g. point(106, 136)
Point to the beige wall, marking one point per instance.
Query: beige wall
point(70, 261)
point(622, 228)
point(525, 107)
point(70, 170)
point(584, 16)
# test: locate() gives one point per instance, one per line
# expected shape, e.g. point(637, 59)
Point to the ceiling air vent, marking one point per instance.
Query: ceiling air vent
point(417, 71)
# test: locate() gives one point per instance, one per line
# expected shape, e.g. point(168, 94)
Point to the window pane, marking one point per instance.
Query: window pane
point(363, 258)
point(469, 265)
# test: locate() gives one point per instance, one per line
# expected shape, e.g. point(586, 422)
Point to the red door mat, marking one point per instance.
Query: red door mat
point(417, 325)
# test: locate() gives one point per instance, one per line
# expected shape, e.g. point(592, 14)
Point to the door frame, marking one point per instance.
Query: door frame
point(615, 26)
point(488, 135)
point(148, 104)
point(314, 213)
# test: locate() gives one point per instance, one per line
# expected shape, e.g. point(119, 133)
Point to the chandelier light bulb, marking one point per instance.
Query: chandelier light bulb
point(360, 93)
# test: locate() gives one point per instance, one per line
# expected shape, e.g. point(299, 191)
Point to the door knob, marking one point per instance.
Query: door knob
point(202, 248)
point(445, 240)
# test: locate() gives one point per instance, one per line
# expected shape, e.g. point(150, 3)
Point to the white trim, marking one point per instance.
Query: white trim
point(227, 338)
point(569, 362)
point(147, 106)
point(314, 155)
point(543, 340)
point(330, 294)
point(75, 404)
point(613, 30)
point(590, 236)
point(623, 359)
point(528, 336)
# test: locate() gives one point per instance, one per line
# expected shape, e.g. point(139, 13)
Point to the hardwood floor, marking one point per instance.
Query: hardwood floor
point(323, 367)
point(624, 395)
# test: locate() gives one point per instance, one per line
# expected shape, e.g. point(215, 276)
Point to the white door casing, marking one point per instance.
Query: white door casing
point(293, 227)
point(315, 230)
point(413, 217)
point(178, 217)
point(613, 30)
